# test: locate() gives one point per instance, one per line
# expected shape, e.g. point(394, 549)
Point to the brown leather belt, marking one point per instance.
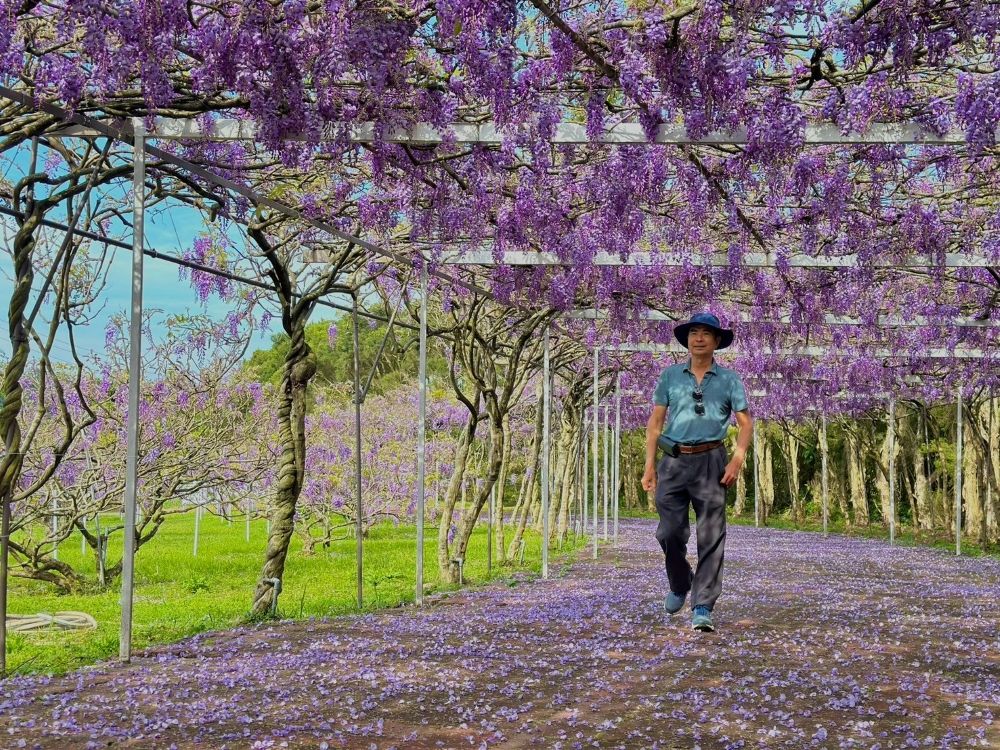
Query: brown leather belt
point(700, 448)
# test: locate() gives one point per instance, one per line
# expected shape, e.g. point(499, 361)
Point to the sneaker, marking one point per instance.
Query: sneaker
point(674, 603)
point(702, 619)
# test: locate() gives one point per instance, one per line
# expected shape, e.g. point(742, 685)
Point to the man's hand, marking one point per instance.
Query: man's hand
point(733, 469)
point(649, 479)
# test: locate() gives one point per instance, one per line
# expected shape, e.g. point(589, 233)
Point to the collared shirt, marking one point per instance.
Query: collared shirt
point(722, 394)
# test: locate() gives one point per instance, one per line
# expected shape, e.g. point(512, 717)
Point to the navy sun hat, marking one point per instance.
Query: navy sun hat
point(704, 319)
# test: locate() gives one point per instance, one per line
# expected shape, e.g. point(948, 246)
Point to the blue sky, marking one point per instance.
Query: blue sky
point(163, 289)
point(170, 231)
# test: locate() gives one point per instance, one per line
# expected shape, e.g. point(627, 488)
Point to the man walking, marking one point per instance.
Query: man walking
point(699, 396)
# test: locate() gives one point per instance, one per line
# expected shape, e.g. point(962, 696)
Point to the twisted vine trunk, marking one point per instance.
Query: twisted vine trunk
point(481, 494)
point(529, 486)
point(300, 366)
point(448, 572)
point(12, 397)
point(501, 485)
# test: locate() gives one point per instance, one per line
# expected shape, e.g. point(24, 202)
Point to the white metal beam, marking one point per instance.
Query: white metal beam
point(883, 320)
point(822, 351)
point(717, 260)
point(823, 134)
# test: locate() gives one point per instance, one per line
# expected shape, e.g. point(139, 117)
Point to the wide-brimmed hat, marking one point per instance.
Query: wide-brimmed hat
point(704, 319)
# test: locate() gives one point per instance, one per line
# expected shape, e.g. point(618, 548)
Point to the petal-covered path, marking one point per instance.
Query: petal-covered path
point(822, 643)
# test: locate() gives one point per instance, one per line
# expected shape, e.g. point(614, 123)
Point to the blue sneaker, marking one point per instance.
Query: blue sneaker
point(702, 619)
point(674, 603)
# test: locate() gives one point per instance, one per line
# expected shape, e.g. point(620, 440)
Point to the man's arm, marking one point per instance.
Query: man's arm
point(654, 426)
point(745, 423)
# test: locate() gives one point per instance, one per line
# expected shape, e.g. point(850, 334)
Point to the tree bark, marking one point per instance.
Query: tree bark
point(501, 487)
point(300, 366)
point(528, 484)
point(449, 573)
point(856, 479)
point(766, 478)
point(794, 485)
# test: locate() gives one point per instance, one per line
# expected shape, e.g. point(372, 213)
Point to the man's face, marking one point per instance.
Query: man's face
point(703, 340)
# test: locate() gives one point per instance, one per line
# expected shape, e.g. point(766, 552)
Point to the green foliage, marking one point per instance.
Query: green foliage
point(335, 365)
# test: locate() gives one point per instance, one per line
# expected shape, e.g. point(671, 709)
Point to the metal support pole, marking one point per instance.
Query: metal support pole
point(824, 452)
point(359, 541)
point(617, 451)
point(489, 531)
point(134, 383)
point(607, 461)
point(197, 529)
point(546, 396)
point(892, 470)
point(421, 435)
point(55, 527)
point(596, 426)
point(959, 445)
point(250, 510)
point(756, 476)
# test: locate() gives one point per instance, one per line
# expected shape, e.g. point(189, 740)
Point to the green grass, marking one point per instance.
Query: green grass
point(178, 595)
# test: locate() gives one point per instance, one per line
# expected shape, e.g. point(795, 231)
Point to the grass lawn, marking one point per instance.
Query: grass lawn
point(178, 594)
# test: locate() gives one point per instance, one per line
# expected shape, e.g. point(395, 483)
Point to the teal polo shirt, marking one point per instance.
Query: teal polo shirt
point(722, 394)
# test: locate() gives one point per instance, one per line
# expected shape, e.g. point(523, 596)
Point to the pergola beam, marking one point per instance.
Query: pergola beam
point(717, 260)
point(882, 320)
point(822, 134)
point(824, 351)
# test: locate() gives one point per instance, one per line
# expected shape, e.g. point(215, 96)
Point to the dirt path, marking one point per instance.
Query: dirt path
point(822, 643)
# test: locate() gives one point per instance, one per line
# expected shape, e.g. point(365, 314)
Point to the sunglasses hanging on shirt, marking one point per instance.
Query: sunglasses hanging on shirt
point(699, 405)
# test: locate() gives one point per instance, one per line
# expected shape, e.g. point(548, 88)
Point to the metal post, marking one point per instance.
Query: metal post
point(421, 434)
point(134, 383)
point(596, 426)
point(958, 474)
point(607, 459)
point(55, 526)
point(546, 396)
point(489, 531)
point(359, 543)
point(892, 471)
point(824, 451)
point(197, 529)
point(756, 477)
point(249, 514)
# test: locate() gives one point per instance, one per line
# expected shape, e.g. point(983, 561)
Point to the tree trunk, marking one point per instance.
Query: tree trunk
point(766, 478)
point(741, 491)
point(973, 476)
point(883, 477)
point(528, 484)
point(501, 487)
point(568, 486)
point(300, 366)
point(856, 478)
point(920, 502)
point(449, 573)
point(993, 474)
point(794, 485)
point(481, 494)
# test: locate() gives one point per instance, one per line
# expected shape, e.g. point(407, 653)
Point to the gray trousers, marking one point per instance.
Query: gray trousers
point(693, 479)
